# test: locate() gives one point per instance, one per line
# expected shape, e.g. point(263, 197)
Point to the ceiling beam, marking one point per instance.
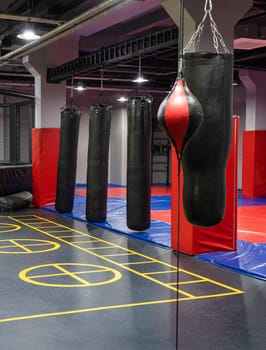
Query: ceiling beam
point(115, 54)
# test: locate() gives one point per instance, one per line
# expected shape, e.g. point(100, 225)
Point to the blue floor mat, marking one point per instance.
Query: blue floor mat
point(158, 233)
point(249, 258)
point(245, 202)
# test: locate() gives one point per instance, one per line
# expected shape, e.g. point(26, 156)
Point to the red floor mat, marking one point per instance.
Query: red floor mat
point(121, 191)
point(161, 215)
point(251, 224)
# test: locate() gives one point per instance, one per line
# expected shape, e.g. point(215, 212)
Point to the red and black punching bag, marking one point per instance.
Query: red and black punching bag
point(180, 115)
point(139, 163)
point(66, 173)
point(97, 165)
point(209, 76)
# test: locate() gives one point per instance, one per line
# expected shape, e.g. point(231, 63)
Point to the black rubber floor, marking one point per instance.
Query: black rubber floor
point(66, 285)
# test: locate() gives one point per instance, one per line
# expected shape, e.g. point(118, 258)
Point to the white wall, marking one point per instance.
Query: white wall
point(118, 136)
point(118, 147)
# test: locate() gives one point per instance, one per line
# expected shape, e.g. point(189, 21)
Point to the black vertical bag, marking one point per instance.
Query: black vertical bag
point(139, 163)
point(67, 162)
point(97, 166)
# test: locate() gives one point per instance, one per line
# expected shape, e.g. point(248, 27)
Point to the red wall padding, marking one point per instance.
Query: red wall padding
point(254, 163)
point(194, 239)
point(45, 149)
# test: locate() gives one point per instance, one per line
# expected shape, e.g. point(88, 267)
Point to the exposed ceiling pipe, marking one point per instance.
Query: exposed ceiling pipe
point(73, 25)
point(129, 90)
point(18, 75)
point(16, 94)
point(30, 19)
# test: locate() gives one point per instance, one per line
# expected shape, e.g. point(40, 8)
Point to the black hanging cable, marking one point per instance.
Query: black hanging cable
point(179, 157)
point(180, 39)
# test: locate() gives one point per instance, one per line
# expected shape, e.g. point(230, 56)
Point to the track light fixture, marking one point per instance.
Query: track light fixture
point(122, 99)
point(140, 79)
point(28, 35)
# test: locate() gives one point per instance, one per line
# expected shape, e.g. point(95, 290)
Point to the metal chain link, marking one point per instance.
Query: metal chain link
point(216, 35)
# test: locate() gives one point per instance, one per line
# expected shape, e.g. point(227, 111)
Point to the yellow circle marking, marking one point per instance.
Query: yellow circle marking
point(9, 227)
point(26, 246)
point(71, 272)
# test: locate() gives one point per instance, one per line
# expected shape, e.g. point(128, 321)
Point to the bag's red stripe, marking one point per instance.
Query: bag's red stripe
point(177, 115)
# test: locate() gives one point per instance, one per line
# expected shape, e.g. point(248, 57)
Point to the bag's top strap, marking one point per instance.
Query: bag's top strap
point(216, 35)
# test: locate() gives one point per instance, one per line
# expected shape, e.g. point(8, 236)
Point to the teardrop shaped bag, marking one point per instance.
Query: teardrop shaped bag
point(180, 115)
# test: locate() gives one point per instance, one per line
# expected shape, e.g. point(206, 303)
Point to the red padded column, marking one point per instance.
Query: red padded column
point(45, 149)
point(254, 163)
point(195, 239)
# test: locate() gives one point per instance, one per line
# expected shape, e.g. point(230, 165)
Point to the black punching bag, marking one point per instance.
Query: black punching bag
point(209, 77)
point(67, 162)
point(139, 163)
point(97, 166)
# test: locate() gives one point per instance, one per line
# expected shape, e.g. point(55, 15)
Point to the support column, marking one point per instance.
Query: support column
point(49, 99)
point(254, 135)
point(226, 13)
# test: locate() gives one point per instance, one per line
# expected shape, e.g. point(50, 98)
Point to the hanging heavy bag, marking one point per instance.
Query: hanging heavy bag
point(209, 76)
point(66, 173)
point(97, 166)
point(139, 163)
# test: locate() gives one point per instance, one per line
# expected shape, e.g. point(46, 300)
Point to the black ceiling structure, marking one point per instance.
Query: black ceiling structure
point(113, 54)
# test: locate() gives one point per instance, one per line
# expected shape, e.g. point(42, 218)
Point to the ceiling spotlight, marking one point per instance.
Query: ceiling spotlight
point(79, 88)
point(122, 99)
point(28, 35)
point(139, 78)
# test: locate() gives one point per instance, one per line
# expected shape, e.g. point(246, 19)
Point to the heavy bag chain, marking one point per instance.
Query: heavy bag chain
point(216, 35)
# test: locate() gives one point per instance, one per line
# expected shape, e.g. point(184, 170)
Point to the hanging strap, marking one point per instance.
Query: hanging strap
point(216, 35)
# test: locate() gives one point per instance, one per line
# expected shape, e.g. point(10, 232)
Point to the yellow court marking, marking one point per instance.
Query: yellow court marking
point(73, 279)
point(4, 227)
point(26, 246)
point(90, 309)
point(133, 267)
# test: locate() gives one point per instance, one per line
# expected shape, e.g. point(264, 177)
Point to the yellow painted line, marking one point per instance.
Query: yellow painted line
point(236, 291)
point(37, 244)
point(212, 281)
point(71, 274)
point(70, 236)
point(97, 248)
point(19, 243)
point(87, 241)
point(137, 263)
point(192, 282)
point(159, 272)
point(23, 275)
point(108, 307)
point(189, 295)
point(20, 246)
point(63, 274)
point(105, 258)
point(27, 244)
point(118, 254)
point(57, 231)
point(8, 228)
point(92, 309)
